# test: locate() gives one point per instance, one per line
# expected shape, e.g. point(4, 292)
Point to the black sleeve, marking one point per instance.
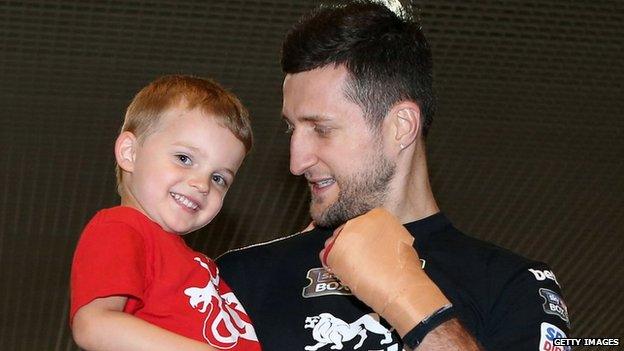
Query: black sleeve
point(529, 312)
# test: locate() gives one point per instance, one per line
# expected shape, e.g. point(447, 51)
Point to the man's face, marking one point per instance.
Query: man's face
point(333, 146)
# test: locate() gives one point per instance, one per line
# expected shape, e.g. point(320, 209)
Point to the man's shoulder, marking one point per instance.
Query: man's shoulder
point(480, 266)
point(498, 280)
point(467, 248)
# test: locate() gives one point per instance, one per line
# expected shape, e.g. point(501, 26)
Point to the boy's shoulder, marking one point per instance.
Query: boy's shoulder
point(119, 217)
point(120, 214)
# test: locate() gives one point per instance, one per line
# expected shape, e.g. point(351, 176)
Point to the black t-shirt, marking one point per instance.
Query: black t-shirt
point(508, 302)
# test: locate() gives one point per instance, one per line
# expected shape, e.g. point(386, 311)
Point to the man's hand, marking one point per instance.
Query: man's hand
point(373, 255)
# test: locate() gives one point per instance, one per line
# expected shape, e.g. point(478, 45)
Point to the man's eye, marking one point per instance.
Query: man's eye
point(321, 130)
point(289, 129)
point(219, 179)
point(184, 159)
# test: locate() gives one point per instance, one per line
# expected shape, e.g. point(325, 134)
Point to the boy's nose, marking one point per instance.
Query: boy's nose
point(202, 184)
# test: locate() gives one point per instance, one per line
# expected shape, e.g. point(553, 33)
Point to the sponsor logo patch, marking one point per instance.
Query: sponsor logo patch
point(323, 283)
point(542, 275)
point(549, 333)
point(554, 304)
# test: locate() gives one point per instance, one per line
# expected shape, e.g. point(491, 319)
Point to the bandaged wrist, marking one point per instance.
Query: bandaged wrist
point(414, 337)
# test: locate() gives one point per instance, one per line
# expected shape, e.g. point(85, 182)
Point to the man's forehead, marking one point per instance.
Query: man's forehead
point(315, 94)
point(318, 76)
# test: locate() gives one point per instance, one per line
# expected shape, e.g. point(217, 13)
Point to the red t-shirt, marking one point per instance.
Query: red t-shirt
point(121, 252)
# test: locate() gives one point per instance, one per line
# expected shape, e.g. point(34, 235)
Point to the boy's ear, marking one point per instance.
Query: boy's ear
point(125, 151)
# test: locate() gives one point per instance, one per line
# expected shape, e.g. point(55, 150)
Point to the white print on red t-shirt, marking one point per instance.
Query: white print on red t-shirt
point(327, 329)
point(226, 321)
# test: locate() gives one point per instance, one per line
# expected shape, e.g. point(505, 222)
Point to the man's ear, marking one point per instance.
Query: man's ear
point(406, 121)
point(125, 151)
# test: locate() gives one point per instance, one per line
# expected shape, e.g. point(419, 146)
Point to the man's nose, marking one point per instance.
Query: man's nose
point(302, 154)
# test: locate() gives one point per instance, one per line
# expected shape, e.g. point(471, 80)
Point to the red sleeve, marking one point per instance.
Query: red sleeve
point(109, 261)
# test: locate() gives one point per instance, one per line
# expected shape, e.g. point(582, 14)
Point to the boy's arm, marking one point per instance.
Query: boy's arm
point(102, 325)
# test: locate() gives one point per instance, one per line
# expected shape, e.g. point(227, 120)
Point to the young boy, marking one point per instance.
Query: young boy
point(135, 285)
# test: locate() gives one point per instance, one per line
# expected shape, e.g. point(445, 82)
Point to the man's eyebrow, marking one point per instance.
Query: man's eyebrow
point(312, 118)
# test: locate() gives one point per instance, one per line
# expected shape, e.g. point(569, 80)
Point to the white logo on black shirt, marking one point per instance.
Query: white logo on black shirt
point(543, 275)
point(329, 330)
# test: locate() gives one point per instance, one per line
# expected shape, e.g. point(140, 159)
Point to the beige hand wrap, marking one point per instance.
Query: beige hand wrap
point(373, 255)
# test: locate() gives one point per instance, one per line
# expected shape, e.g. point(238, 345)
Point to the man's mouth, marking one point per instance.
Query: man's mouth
point(322, 183)
point(185, 201)
point(325, 182)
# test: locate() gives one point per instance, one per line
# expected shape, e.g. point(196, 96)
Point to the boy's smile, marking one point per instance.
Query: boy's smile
point(179, 174)
point(185, 202)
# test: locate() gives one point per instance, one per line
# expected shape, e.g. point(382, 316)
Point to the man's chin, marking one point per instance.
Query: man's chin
point(327, 216)
point(318, 213)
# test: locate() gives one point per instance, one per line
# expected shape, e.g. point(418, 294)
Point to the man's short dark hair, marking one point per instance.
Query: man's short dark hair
point(387, 56)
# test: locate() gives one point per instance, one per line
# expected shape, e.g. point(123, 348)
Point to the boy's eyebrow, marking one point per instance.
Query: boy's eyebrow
point(196, 150)
point(227, 170)
point(192, 148)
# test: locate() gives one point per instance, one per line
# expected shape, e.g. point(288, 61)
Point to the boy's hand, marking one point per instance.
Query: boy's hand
point(309, 227)
point(373, 255)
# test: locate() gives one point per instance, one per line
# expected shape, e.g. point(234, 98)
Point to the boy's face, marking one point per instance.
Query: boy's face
point(179, 175)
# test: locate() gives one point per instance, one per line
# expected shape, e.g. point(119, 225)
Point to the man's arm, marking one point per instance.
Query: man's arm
point(450, 335)
point(373, 255)
point(102, 325)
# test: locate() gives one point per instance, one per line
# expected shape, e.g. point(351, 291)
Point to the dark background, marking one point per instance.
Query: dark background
point(525, 151)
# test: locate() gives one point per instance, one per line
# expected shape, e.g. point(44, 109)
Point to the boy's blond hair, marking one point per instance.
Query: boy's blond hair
point(153, 101)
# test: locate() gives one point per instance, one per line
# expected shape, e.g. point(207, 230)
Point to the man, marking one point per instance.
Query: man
point(358, 102)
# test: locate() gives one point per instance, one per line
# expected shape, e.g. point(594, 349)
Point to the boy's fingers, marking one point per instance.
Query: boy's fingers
point(309, 227)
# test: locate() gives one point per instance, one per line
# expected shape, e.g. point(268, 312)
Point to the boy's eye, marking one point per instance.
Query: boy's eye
point(219, 179)
point(184, 159)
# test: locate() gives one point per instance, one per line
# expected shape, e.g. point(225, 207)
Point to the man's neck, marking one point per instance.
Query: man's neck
point(411, 197)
